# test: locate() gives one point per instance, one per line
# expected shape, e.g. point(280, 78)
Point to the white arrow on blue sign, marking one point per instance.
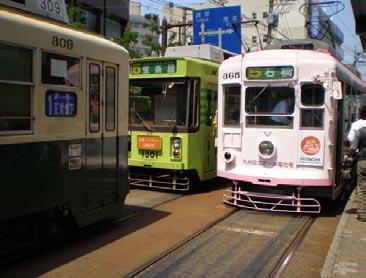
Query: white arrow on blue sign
point(219, 27)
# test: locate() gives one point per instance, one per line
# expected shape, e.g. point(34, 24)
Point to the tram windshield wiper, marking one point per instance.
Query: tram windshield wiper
point(259, 94)
point(149, 128)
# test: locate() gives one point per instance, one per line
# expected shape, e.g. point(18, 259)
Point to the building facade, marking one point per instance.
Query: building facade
point(138, 24)
point(106, 17)
point(264, 21)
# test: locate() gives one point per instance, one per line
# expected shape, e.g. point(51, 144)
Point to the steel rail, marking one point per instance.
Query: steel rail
point(291, 249)
point(165, 254)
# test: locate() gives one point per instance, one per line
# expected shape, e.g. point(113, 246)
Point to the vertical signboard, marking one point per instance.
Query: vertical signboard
point(55, 9)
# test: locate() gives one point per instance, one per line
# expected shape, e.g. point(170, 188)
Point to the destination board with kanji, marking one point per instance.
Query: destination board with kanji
point(154, 67)
point(276, 72)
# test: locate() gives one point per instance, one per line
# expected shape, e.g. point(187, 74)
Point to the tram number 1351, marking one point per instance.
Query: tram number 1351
point(149, 154)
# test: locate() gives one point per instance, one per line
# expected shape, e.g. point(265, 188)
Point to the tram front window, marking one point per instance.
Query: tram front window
point(269, 106)
point(161, 104)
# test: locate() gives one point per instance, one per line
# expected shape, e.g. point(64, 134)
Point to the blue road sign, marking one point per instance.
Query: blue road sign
point(219, 27)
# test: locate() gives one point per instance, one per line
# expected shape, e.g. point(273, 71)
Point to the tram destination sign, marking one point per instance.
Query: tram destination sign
point(276, 72)
point(154, 67)
point(60, 103)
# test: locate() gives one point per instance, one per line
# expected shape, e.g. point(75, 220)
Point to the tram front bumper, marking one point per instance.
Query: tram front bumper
point(271, 202)
point(172, 165)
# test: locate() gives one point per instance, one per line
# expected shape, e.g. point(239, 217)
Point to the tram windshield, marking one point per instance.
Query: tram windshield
point(161, 104)
point(269, 106)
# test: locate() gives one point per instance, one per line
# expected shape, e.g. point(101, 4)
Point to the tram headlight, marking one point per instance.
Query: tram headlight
point(229, 156)
point(176, 147)
point(266, 149)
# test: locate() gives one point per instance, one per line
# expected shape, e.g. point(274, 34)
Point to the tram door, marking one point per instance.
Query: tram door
point(210, 163)
point(101, 135)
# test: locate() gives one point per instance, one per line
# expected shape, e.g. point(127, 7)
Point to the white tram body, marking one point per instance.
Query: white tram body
point(278, 160)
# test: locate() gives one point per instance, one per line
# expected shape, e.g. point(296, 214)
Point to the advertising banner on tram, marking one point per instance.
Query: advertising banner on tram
point(310, 149)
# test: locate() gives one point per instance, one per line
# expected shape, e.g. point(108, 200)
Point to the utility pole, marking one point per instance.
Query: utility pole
point(164, 35)
point(184, 31)
point(164, 32)
point(270, 14)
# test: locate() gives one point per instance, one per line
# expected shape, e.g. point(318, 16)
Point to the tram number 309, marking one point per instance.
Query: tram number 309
point(149, 154)
point(50, 6)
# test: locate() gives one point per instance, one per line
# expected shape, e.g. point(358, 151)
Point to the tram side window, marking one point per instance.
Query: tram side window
point(110, 91)
point(59, 69)
point(94, 97)
point(312, 96)
point(16, 81)
point(209, 110)
point(232, 105)
point(193, 117)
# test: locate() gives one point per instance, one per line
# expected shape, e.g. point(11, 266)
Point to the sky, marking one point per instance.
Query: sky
point(344, 20)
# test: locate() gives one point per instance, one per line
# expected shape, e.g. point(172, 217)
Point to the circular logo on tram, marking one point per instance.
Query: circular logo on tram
point(310, 145)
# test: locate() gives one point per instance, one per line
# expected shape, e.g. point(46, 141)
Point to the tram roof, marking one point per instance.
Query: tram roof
point(31, 30)
point(188, 59)
point(274, 56)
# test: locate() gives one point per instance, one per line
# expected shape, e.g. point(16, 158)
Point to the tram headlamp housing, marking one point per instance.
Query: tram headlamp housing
point(229, 156)
point(266, 149)
point(176, 147)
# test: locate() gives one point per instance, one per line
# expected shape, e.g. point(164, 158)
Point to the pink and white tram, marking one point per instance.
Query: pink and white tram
point(282, 122)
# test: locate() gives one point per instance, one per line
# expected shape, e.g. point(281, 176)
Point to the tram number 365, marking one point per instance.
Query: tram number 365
point(149, 154)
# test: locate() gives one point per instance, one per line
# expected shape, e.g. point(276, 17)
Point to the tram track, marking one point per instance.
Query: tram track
point(146, 266)
point(289, 252)
point(267, 260)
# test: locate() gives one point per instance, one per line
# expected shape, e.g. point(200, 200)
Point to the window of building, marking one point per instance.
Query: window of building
point(58, 69)
point(265, 14)
point(254, 39)
point(90, 18)
point(16, 81)
point(232, 105)
point(112, 28)
point(254, 15)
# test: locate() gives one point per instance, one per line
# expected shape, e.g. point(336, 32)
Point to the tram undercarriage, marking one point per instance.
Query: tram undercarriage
point(162, 178)
point(282, 198)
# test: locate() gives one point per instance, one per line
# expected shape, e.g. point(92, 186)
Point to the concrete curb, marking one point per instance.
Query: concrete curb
point(328, 266)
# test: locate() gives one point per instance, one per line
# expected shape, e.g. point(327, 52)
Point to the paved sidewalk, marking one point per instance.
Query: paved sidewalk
point(347, 253)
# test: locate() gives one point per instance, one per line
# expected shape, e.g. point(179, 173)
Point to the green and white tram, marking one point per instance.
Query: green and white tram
point(172, 110)
point(63, 127)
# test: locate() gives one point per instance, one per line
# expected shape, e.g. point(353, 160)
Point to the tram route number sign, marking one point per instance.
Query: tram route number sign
point(154, 67)
point(150, 143)
point(276, 72)
point(60, 103)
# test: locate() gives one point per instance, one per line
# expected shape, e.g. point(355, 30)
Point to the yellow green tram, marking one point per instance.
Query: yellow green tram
point(63, 128)
point(172, 111)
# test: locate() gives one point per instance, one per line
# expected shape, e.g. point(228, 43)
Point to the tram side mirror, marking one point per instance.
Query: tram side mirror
point(166, 86)
point(337, 90)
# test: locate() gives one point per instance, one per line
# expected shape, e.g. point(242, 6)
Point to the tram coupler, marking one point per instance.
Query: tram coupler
point(361, 190)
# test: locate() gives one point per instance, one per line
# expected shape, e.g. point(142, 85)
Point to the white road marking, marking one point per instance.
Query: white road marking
point(250, 231)
point(345, 267)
